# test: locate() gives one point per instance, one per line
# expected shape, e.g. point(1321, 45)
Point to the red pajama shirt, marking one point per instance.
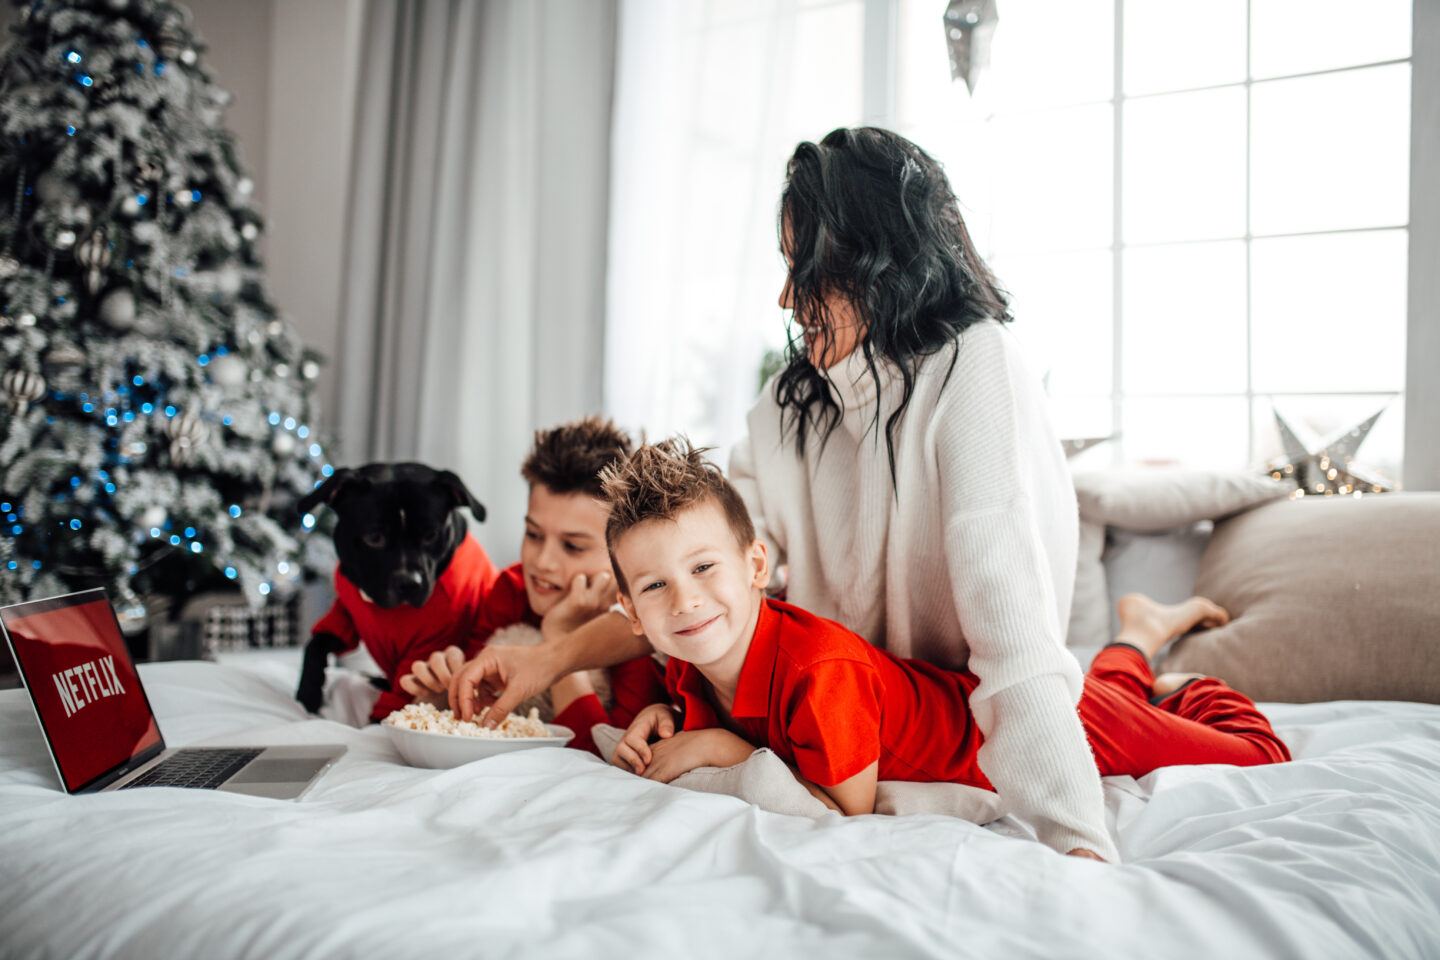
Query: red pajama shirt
point(830, 704)
point(399, 636)
point(635, 684)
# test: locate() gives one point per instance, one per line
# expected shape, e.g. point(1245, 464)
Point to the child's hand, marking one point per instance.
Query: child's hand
point(586, 599)
point(695, 748)
point(429, 680)
point(633, 753)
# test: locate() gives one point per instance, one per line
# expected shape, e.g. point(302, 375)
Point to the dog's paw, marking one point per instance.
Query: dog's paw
point(515, 635)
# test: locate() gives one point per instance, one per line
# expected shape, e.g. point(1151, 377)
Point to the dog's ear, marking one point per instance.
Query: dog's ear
point(460, 495)
point(328, 492)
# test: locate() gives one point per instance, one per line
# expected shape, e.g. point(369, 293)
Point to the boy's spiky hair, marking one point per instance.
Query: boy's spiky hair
point(569, 458)
point(658, 482)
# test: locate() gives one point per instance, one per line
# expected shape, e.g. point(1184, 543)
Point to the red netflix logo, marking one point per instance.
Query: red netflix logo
point(82, 685)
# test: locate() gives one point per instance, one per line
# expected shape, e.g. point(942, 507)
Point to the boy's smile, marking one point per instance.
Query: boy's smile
point(564, 537)
point(691, 587)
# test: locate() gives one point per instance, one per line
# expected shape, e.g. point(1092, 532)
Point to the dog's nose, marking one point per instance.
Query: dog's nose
point(407, 579)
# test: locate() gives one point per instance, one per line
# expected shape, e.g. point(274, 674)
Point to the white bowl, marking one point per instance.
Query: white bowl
point(441, 751)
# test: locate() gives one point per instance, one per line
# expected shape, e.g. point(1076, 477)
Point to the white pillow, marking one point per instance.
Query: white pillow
point(764, 780)
point(1090, 608)
point(1153, 499)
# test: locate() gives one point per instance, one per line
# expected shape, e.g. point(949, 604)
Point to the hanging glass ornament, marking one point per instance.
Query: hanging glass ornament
point(186, 432)
point(93, 256)
point(21, 388)
point(117, 309)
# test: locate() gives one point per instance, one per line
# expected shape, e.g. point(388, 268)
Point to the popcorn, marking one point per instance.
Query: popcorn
point(425, 718)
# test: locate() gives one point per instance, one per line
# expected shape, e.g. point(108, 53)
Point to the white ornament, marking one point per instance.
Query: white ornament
point(22, 388)
point(310, 370)
point(9, 266)
point(229, 281)
point(147, 232)
point(118, 309)
point(228, 371)
point(26, 319)
point(283, 444)
point(130, 206)
point(281, 370)
point(64, 239)
point(182, 198)
point(249, 231)
point(187, 56)
point(245, 185)
point(153, 516)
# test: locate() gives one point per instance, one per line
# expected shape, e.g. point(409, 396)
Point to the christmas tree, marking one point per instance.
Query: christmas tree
point(155, 412)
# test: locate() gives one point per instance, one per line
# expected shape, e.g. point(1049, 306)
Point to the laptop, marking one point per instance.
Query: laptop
point(97, 719)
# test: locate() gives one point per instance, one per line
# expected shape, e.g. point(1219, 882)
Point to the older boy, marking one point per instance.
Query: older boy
point(564, 572)
point(746, 671)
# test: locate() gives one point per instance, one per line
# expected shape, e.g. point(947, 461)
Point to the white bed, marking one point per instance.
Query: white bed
point(551, 853)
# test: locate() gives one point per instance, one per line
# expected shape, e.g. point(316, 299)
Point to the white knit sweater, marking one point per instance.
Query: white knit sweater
point(971, 565)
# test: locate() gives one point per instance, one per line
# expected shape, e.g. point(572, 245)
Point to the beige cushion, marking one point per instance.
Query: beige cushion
point(1332, 598)
point(1152, 499)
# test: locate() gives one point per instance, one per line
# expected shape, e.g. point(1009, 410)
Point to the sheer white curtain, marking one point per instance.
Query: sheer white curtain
point(474, 271)
point(710, 101)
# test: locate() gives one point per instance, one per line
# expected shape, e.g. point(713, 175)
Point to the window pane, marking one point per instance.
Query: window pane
point(1318, 418)
point(1298, 36)
point(1063, 316)
point(1209, 433)
point(1329, 312)
point(1049, 52)
point(1332, 151)
point(1184, 318)
point(1053, 180)
point(1184, 169)
point(1169, 47)
point(825, 75)
point(1077, 418)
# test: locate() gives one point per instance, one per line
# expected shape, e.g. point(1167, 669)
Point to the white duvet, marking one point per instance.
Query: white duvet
point(549, 853)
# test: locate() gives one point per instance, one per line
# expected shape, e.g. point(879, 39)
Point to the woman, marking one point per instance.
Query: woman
point(903, 465)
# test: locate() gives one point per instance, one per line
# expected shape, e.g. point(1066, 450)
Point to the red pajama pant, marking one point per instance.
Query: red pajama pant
point(634, 684)
point(1203, 722)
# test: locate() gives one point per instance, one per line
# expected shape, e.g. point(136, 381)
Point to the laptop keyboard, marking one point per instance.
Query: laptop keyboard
point(199, 769)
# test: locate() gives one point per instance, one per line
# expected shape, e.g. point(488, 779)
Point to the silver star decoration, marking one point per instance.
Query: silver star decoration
point(1327, 468)
point(969, 25)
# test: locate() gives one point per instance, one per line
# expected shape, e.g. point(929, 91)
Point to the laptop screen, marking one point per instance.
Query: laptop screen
point(85, 688)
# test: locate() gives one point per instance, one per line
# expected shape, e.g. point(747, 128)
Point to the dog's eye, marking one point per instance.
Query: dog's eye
point(431, 536)
point(374, 541)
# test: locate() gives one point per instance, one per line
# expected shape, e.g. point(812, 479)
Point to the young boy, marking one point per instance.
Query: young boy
point(746, 671)
point(564, 571)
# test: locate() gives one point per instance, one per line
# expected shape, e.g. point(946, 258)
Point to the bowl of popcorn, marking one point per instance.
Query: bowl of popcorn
point(437, 739)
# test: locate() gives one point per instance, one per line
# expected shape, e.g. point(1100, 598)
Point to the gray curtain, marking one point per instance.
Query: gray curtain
point(474, 276)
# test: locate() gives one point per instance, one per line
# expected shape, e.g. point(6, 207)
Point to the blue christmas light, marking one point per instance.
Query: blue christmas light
point(88, 407)
point(129, 416)
point(86, 80)
point(231, 573)
point(315, 450)
point(112, 420)
point(274, 419)
point(195, 195)
point(303, 432)
point(174, 540)
point(160, 68)
point(101, 475)
point(308, 521)
point(227, 420)
point(6, 506)
point(235, 510)
point(195, 547)
point(75, 524)
point(170, 410)
point(70, 130)
point(140, 41)
point(155, 532)
point(74, 56)
point(189, 533)
point(13, 565)
point(264, 589)
point(203, 360)
point(12, 516)
point(138, 380)
point(142, 198)
point(109, 488)
point(289, 423)
point(283, 566)
point(74, 482)
point(36, 564)
point(17, 530)
point(147, 407)
point(221, 351)
point(327, 470)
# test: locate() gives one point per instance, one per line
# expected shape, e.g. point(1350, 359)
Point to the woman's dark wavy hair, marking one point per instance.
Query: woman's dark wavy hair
point(871, 217)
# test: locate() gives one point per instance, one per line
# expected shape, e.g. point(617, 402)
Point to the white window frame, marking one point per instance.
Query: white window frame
point(1421, 451)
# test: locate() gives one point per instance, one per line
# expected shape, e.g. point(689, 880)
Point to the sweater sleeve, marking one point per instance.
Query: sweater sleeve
point(1003, 582)
point(744, 478)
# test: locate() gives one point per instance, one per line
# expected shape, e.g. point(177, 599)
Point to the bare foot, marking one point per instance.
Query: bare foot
point(568, 689)
point(1168, 683)
point(1150, 625)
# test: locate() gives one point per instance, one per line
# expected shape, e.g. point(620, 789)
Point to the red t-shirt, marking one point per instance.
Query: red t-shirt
point(506, 605)
point(399, 636)
point(830, 704)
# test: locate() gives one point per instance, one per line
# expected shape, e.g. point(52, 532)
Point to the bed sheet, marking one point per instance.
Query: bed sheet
point(552, 853)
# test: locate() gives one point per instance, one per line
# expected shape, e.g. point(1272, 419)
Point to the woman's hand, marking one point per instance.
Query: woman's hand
point(1087, 854)
point(633, 752)
point(429, 680)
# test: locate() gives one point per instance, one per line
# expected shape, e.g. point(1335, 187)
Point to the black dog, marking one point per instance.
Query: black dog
point(411, 578)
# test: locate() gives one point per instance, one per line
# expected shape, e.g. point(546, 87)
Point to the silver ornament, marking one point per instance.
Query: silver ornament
point(310, 370)
point(9, 266)
point(186, 432)
point(93, 255)
point(118, 309)
point(187, 56)
point(281, 370)
point(249, 231)
point(26, 320)
point(245, 186)
point(228, 371)
point(64, 239)
point(22, 388)
point(154, 516)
